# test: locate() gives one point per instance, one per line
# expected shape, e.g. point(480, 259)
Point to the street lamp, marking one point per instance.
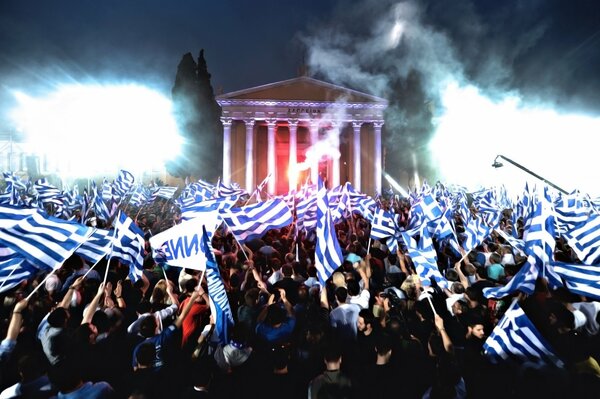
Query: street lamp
point(498, 164)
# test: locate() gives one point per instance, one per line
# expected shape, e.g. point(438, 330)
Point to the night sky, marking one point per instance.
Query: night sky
point(545, 50)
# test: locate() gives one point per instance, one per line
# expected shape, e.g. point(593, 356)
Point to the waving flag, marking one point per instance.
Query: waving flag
point(123, 184)
point(140, 196)
point(580, 279)
point(197, 209)
point(539, 248)
point(424, 258)
point(96, 247)
point(475, 232)
point(14, 269)
point(14, 186)
point(128, 246)
point(163, 192)
point(328, 254)
point(571, 212)
point(254, 221)
point(216, 291)
point(180, 245)
point(585, 240)
point(515, 339)
point(44, 241)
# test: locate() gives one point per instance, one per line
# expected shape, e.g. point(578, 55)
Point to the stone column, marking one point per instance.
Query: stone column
point(378, 167)
point(226, 150)
point(356, 125)
point(271, 125)
point(314, 137)
point(292, 169)
point(335, 172)
point(249, 154)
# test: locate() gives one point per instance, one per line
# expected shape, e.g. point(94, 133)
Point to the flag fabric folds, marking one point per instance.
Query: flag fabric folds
point(181, 244)
point(128, 245)
point(424, 258)
point(216, 291)
point(44, 241)
point(254, 221)
point(580, 279)
point(515, 339)
point(328, 254)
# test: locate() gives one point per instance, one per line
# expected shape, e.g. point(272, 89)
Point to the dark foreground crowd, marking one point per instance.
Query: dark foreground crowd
point(370, 332)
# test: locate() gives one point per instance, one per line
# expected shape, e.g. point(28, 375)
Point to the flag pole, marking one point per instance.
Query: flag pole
point(369, 245)
point(236, 240)
point(431, 304)
point(8, 277)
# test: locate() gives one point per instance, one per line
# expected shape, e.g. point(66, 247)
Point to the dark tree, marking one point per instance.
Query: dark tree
point(198, 118)
point(409, 127)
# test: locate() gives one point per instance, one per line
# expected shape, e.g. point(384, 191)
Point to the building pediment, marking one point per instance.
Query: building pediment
point(303, 89)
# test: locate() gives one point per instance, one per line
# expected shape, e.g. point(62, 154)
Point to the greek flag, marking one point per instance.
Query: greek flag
point(525, 204)
point(225, 190)
point(539, 248)
point(44, 241)
point(328, 254)
point(341, 210)
point(382, 224)
point(140, 197)
point(571, 212)
point(518, 245)
point(216, 291)
point(461, 207)
point(424, 258)
point(98, 205)
point(580, 279)
point(475, 232)
point(306, 210)
point(96, 246)
point(163, 192)
point(14, 269)
point(128, 246)
point(14, 186)
point(107, 191)
point(123, 184)
point(515, 339)
point(254, 221)
point(197, 209)
point(585, 240)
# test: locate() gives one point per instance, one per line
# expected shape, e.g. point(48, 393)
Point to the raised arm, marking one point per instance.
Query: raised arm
point(439, 324)
point(66, 301)
point(88, 314)
point(16, 321)
point(186, 309)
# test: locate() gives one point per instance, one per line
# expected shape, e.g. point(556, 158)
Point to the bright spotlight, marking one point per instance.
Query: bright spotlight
point(395, 184)
point(473, 128)
point(96, 129)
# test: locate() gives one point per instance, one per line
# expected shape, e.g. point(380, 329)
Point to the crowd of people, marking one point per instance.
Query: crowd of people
point(373, 330)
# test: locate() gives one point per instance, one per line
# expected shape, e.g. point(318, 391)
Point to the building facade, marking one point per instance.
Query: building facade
point(298, 129)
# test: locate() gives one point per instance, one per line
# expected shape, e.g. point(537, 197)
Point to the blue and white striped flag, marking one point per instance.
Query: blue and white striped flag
point(515, 339)
point(383, 224)
point(580, 279)
point(254, 221)
point(14, 269)
point(14, 187)
point(585, 240)
point(539, 248)
point(96, 247)
point(216, 291)
point(571, 212)
point(475, 232)
point(123, 184)
point(424, 258)
point(199, 208)
point(164, 192)
point(328, 254)
point(107, 191)
point(44, 241)
point(140, 196)
point(128, 246)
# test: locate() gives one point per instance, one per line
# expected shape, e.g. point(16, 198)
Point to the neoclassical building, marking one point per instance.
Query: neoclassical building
point(269, 129)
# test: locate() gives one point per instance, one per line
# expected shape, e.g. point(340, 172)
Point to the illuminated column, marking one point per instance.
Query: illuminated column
point(356, 125)
point(226, 150)
point(271, 125)
point(335, 173)
point(314, 137)
point(292, 170)
point(249, 154)
point(377, 127)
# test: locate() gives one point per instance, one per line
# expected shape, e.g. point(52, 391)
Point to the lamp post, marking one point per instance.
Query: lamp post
point(498, 164)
